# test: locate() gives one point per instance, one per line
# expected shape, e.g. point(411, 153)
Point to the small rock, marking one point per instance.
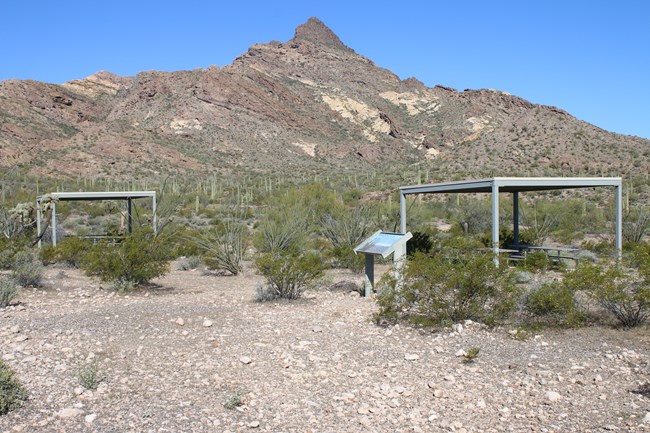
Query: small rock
point(180, 322)
point(439, 393)
point(317, 329)
point(254, 424)
point(553, 396)
point(90, 418)
point(69, 412)
point(411, 357)
point(457, 327)
point(245, 360)
point(14, 329)
point(22, 337)
point(207, 323)
point(646, 418)
point(460, 353)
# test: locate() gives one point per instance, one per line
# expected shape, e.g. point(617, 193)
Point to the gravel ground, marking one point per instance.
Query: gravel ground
point(172, 358)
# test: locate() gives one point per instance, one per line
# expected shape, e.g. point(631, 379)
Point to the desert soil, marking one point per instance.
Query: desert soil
point(172, 357)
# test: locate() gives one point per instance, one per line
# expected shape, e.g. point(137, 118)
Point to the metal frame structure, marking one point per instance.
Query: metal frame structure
point(92, 196)
point(515, 185)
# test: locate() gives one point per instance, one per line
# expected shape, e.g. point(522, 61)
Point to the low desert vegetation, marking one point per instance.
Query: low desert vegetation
point(8, 290)
point(12, 392)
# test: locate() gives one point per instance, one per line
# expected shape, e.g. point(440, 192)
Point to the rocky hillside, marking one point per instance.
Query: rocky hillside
point(310, 104)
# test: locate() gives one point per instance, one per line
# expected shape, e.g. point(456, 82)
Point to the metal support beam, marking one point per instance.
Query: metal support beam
point(369, 283)
point(155, 216)
point(495, 222)
point(515, 218)
point(129, 223)
point(619, 221)
point(53, 223)
point(402, 213)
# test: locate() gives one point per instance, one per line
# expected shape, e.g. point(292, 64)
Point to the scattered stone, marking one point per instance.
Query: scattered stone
point(90, 418)
point(245, 360)
point(646, 418)
point(438, 393)
point(180, 322)
point(69, 412)
point(460, 353)
point(317, 329)
point(553, 396)
point(22, 337)
point(411, 357)
point(207, 323)
point(254, 424)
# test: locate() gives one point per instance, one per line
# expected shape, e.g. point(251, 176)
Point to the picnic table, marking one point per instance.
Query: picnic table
point(554, 253)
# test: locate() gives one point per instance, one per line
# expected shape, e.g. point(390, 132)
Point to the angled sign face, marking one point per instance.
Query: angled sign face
point(383, 243)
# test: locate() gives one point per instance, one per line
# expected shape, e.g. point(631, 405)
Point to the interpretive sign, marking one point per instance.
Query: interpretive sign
point(381, 244)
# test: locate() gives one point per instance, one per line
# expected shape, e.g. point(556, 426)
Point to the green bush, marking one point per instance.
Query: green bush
point(137, 259)
point(88, 375)
point(70, 251)
point(622, 291)
point(288, 275)
point(27, 269)
point(438, 290)
point(536, 261)
point(12, 393)
point(556, 303)
point(8, 290)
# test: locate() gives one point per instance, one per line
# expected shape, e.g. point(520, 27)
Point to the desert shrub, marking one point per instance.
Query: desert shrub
point(345, 229)
point(88, 374)
point(8, 290)
point(556, 303)
point(70, 251)
point(27, 269)
point(189, 263)
point(224, 247)
point(282, 230)
point(137, 259)
point(12, 393)
point(288, 275)
point(536, 261)
point(636, 226)
point(437, 290)
point(623, 292)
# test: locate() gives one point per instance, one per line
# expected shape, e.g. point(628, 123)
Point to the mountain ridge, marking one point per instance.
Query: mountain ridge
point(309, 104)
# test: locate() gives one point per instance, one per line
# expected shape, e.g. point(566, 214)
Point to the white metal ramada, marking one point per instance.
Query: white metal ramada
point(515, 185)
point(86, 196)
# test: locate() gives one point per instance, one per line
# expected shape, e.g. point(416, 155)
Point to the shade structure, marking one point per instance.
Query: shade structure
point(515, 185)
point(92, 196)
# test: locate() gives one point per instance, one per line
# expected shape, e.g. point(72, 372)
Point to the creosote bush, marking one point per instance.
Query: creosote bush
point(623, 292)
point(8, 290)
point(438, 290)
point(12, 393)
point(139, 258)
point(556, 304)
point(288, 275)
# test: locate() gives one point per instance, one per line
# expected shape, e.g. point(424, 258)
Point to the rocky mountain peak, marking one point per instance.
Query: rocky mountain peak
point(316, 32)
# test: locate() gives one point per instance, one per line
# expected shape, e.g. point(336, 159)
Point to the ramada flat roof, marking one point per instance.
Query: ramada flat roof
point(512, 184)
point(114, 195)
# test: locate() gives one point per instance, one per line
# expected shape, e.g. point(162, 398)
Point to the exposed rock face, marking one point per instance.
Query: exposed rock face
point(311, 102)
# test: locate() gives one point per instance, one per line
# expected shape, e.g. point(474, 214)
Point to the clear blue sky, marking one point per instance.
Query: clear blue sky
point(591, 58)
